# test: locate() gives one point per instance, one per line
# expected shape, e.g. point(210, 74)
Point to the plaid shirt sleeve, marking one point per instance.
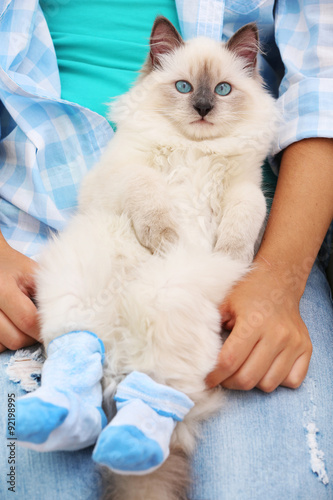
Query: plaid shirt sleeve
point(304, 35)
point(46, 144)
point(302, 31)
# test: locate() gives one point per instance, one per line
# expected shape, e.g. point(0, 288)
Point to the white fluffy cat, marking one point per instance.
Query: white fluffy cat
point(166, 224)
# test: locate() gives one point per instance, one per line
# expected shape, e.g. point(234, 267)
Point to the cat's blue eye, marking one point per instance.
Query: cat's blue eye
point(183, 87)
point(223, 88)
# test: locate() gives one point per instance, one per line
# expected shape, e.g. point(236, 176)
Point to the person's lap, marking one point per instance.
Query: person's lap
point(257, 447)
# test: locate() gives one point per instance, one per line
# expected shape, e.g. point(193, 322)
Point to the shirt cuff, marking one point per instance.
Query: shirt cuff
point(307, 111)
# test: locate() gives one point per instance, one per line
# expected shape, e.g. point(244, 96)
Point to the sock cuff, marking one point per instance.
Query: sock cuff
point(78, 338)
point(163, 399)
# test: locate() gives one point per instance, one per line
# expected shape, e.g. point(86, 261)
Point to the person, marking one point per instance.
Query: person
point(268, 440)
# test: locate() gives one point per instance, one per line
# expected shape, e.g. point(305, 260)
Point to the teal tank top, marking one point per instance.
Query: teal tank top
point(101, 45)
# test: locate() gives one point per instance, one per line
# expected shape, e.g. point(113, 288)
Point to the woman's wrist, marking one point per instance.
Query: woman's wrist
point(301, 212)
point(286, 277)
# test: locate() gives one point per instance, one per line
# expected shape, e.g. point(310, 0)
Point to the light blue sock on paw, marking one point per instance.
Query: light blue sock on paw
point(137, 440)
point(65, 412)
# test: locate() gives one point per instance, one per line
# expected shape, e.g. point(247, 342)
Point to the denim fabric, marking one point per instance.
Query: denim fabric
point(256, 448)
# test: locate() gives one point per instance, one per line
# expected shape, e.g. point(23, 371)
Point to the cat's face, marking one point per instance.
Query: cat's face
point(203, 90)
point(202, 87)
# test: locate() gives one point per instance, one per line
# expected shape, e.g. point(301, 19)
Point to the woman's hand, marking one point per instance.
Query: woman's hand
point(18, 314)
point(269, 344)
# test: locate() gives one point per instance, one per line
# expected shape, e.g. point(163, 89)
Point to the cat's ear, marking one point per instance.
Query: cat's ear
point(245, 44)
point(164, 38)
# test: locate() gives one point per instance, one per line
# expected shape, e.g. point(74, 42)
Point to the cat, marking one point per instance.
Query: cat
point(166, 224)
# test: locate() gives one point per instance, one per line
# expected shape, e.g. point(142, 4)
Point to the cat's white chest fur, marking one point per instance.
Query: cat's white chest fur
point(195, 182)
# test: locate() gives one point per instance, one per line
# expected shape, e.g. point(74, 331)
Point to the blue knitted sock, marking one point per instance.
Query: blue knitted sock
point(65, 412)
point(137, 440)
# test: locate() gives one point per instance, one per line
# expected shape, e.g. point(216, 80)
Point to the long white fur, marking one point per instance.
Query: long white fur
point(166, 224)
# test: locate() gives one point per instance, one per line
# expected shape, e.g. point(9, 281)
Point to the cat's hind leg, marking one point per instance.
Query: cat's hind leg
point(137, 440)
point(65, 412)
point(85, 262)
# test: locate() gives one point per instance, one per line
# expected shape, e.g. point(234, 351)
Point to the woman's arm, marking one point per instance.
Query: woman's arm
point(18, 314)
point(269, 344)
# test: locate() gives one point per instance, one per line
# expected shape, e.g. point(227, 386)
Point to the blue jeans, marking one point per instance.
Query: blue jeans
point(258, 447)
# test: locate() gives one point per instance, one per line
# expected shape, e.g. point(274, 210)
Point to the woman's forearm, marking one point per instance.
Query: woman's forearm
point(302, 210)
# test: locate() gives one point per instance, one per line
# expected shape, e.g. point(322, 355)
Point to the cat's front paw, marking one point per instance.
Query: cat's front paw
point(236, 249)
point(156, 230)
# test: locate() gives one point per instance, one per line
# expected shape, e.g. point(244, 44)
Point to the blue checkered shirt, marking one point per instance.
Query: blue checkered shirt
point(47, 144)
